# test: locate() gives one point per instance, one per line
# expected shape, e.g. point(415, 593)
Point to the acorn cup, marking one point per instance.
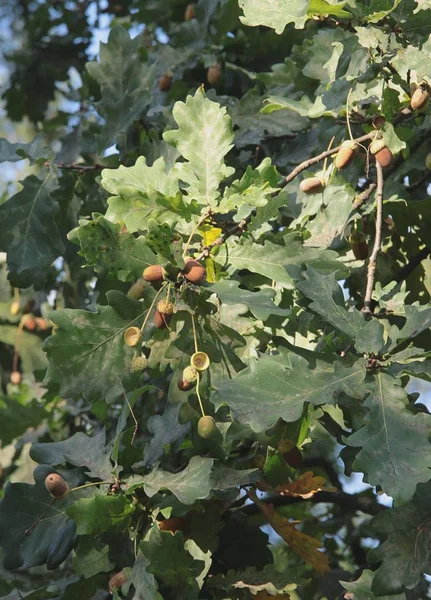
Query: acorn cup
point(200, 361)
point(56, 486)
point(138, 364)
point(154, 274)
point(190, 12)
point(15, 377)
point(382, 153)
point(345, 154)
point(312, 185)
point(132, 336)
point(188, 379)
point(206, 427)
point(161, 320)
point(214, 74)
point(194, 271)
point(358, 244)
point(420, 98)
point(165, 307)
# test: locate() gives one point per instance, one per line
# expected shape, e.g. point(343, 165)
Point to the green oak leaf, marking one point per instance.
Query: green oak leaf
point(101, 513)
point(80, 450)
point(32, 356)
point(144, 194)
point(328, 302)
point(418, 319)
point(125, 81)
point(171, 563)
point(34, 151)
point(322, 7)
point(259, 303)
point(144, 583)
point(166, 429)
point(87, 354)
point(369, 338)
point(26, 218)
point(225, 478)
point(406, 553)
point(304, 107)
point(274, 13)
point(51, 539)
point(414, 58)
point(267, 579)
point(397, 467)
point(374, 15)
point(281, 263)
point(251, 191)
point(204, 136)
point(91, 557)
point(189, 485)
point(16, 417)
point(111, 251)
point(276, 387)
point(361, 589)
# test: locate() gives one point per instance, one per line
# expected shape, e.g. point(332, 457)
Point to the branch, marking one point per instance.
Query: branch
point(76, 167)
point(377, 241)
point(311, 161)
point(237, 229)
point(414, 262)
point(363, 196)
point(351, 502)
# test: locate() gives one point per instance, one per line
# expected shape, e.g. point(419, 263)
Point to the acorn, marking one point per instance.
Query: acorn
point(428, 161)
point(174, 524)
point(200, 361)
point(161, 320)
point(214, 74)
point(312, 185)
point(188, 379)
point(378, 121)
point(132, 336)
point(345, 154)
point(15, 377)
point(382, 153)
point(206, 427)
point(165, 307)
point(138, 364)
point(15, 307)
point(194, 272)
point(358, 244)
point(420, 98)
point(165, 82)
point(190, 12)
point(56, 486)
point(29, 322)
point(119, 579)
point(136, 289)
point(154, 273)
point(41, 324)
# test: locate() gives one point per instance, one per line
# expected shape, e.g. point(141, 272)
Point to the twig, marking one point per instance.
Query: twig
point(235, 230)
point(363, 196)
point(353, 502)
point(425, 178)
point(76, 167)
point(312, 161)
point(412, 264)
point(377, 241)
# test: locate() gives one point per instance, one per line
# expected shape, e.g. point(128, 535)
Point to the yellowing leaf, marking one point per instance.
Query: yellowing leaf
point(305, 486)
point(304, 545)
point(209, 233)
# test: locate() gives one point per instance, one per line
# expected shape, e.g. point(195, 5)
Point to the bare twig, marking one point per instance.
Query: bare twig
point(377, 241)
point(364, 195)
point(412, 264)
point(76, 167)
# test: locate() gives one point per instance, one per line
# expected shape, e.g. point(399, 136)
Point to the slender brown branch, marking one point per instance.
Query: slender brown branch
point(363, 196)
point(76, 167)
point(377, 240)
point(414, 262)
point(424, 179)
point(315, 159)
point(353, 502)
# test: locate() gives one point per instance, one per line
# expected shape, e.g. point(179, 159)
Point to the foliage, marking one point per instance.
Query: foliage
point(161, 215)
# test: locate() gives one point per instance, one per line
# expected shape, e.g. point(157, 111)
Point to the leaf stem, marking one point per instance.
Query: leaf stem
point(199, 395)
point(377, 241)
point(85, 485)
point(202, 219)
point(195, 338)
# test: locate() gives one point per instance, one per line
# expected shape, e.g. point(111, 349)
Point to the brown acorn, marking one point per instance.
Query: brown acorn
point(165, 82)
point(160, 320)
point(190, 12)
point(154, 273)
point(420, 98)
point(41, 324)
point(29, 322)
point(194, 272)
point(174, 524)
point(56, 486)
point(165, 307)
point(15, 377)
point(214, 74)
point(382, 153)
point(119, 579)
point(188, 379)
point(358, 244)
point(312, 185)
point(132, 336)
point(206, 427)
point(138, 364)
point(345, 154)
point(378, 121)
